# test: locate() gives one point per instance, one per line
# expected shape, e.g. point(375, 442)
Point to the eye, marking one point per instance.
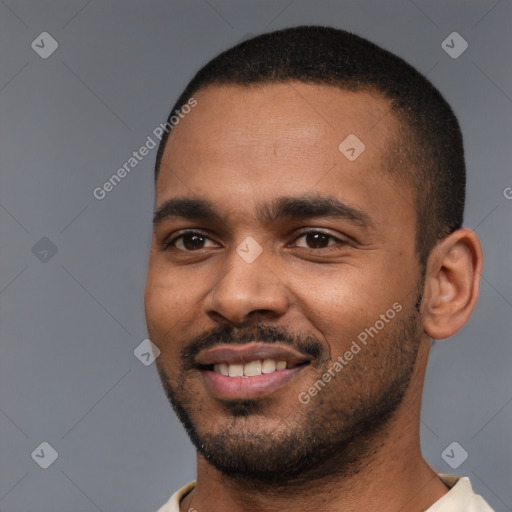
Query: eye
point(190, 241)
point(317, 240)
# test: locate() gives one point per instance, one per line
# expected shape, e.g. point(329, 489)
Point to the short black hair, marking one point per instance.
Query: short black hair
point(428, 150)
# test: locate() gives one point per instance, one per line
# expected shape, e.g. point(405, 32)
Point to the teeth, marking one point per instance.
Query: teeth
point(236, 370)
point(269, 366)
point(252, 369)
point(221, 368)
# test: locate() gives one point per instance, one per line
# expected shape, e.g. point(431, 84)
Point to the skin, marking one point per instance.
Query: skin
point(241, 148)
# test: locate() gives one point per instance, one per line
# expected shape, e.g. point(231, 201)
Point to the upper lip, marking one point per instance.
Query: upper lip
point(242, 354)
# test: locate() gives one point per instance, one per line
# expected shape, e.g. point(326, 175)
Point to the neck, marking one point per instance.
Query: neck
point(390, 473)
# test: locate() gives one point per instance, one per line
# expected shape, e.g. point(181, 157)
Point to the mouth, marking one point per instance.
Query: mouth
point(250, 371)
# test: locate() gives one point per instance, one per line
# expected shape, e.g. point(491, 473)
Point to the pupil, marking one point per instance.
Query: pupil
point(192, 241)
point(317, 239)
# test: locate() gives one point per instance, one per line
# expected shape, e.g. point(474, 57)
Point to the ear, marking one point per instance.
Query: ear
point(452, 283)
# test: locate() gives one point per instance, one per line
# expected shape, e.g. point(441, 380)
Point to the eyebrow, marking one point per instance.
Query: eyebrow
point(284, 207)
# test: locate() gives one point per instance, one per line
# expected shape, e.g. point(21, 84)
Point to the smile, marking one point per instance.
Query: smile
point(252, 369)
point(249, 371)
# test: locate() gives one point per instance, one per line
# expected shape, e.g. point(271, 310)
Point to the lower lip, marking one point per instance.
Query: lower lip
point(248, 388)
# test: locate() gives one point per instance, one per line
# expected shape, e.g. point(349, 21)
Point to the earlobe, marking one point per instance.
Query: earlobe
point(452, 283)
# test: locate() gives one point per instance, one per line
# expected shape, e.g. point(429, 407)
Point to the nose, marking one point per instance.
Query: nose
point(243, 291)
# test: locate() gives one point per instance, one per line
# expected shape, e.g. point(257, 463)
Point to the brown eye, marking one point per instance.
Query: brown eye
point(316, 240)
point(189, 242)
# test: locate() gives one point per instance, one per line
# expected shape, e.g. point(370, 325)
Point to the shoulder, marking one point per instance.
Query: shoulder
point(173, 505)
point(460, 497)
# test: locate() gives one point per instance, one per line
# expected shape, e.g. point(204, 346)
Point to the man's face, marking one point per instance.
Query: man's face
point(295, 252)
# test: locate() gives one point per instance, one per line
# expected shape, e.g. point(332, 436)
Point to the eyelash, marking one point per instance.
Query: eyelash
point(168, 244)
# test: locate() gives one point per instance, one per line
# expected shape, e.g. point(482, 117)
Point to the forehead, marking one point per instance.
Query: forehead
point(279, 139)
point(286, 114)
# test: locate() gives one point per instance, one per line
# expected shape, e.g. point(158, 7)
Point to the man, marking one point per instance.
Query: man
point(307, 248)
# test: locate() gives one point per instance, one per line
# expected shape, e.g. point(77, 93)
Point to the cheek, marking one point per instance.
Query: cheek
point(171, 301)
point(164, 306)
point(344, 302)
point(162, 321)
point(168, 290)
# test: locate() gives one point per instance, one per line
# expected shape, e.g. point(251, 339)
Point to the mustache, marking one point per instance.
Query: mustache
point(308, 345)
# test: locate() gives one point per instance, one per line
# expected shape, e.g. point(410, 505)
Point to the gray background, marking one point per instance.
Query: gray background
point(70, 322)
